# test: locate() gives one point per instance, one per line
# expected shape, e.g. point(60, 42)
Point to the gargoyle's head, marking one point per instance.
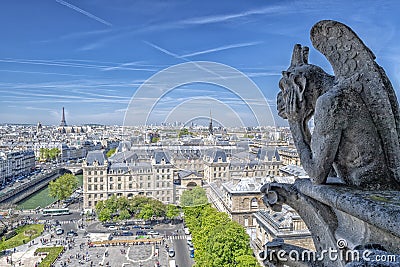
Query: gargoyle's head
point(307, 80)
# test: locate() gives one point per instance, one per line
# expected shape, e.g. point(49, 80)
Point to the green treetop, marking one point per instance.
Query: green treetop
point(63, 186)
point(194, 197)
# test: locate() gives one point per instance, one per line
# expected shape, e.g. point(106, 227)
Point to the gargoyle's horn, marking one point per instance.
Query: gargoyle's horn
point(304, 52)
point(297, 58)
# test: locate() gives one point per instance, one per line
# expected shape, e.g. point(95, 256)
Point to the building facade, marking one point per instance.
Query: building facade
point(15, 164)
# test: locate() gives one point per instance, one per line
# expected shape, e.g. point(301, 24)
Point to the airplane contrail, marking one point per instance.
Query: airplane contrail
point(84, 12)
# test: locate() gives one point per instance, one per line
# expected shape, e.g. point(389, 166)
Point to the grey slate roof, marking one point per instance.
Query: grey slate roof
point(95, 155)
point(268, 153)
point(161, 155)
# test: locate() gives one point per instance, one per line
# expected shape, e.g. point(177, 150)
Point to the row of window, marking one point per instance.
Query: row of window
point(100, 187)
point(130, 178)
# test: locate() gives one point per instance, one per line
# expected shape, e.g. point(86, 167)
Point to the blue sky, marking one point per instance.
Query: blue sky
point(90, 56)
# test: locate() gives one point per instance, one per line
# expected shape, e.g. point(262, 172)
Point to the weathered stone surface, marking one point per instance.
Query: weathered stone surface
point(356, 137)
point(356, 113)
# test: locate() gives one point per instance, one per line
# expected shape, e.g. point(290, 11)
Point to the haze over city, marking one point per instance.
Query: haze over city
point(92, 56)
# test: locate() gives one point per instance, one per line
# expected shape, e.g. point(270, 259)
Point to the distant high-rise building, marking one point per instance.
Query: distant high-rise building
point(210, 126)
point(39, 127)
point(63, 122)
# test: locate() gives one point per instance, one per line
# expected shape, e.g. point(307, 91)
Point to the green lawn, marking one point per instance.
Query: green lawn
point(51, 257)
point(24, 235)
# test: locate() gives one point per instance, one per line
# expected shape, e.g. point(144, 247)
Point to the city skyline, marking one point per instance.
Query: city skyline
point(91, 57)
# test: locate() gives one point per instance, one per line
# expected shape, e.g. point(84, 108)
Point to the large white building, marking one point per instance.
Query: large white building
point(152, 178)
point(15, 164)
point(160, 172)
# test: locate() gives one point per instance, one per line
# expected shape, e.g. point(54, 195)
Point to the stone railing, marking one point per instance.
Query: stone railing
point(341, 219)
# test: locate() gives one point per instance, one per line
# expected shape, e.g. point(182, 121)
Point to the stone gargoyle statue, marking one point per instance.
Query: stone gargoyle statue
point(352, 155)
point(356, 113)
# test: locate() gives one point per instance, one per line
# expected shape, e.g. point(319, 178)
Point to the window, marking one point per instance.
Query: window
point(89, 187)
point(95, 179)
point(101, 187)
point(95, 187)
point(148, 184)
point(119, 186)
point(130, 186)
point(101, 179)
point(111, 179)
point(89, 179)
point(111, 187)
point(254, 203)
point(130, 178)
point(119, 179)
point(89, 203)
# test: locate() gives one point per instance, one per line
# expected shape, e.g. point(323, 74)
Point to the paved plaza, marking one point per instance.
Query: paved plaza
point(80, 251)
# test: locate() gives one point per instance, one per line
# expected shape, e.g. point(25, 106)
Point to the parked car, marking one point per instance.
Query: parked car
point(72, 233)
point(126, 233)
point(59, 231)
point(171, 252)
point(153, 233)
point(140, 232)
point(124, 228)
point(112, 228)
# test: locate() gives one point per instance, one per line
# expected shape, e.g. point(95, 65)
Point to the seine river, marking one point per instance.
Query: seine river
point(41, 198)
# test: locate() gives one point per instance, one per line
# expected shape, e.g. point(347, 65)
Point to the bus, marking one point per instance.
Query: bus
point(55, 212)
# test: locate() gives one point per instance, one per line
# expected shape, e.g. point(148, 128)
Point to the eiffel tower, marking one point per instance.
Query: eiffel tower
point(63, 122)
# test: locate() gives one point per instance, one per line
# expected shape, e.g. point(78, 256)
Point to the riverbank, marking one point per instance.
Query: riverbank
point(41, 198)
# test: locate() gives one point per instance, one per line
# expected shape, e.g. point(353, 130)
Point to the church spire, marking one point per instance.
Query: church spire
point(210, 126)
point(63, 122)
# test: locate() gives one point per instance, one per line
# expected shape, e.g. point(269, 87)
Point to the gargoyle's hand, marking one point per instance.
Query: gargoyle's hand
point(295, 109)
point(281, 105)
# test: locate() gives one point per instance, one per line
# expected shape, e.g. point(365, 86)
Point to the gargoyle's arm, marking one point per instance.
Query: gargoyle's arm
point(317, 159)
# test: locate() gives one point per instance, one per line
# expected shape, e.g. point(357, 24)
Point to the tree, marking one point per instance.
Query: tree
point(46, 154)
point(104, 215)
point(183, 132)
point(146, 212)
point(63, 186)
point(54, 153)
point(218, 240)
point(110, 152)
point(194, 197)
point(172, 211)
point(124, 215)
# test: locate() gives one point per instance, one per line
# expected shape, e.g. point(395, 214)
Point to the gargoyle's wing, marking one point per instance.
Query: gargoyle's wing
point(354, 66)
